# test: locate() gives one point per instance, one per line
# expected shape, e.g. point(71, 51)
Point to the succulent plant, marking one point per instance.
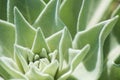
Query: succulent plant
point(59, 40)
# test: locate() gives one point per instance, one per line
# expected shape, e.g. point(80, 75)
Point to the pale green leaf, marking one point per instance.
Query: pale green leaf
point(53, 55)
point(29, 8)
point(64, 45)
point(72, 54)
point(43, 53)
point(75, 62)
point(49, 20)
point(43, 63)
point(35, 74)
point(51, 69)
point(93, 63)
point(39, 42)
point(7, 38)
point(54, 40)
point(91, 13)
point(21, 57)
point(11, 68)
point(25, 33)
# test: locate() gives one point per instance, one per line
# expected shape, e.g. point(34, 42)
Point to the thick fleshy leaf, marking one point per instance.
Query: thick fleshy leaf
point(65, 44)
point(54, 40)
point(49, 20)
point(43, 53)
point(91, 12)
point(29, 8)
point(53, 55)
point(34, 74)
point(75, 62)
point(39, 42)
point(3, 7)
point(25, 33)
point(48, 69)
point(93, 63)
point(69, 12)
point(10, 68)
point(23, 56)
point(7, 38)
point(43, 63)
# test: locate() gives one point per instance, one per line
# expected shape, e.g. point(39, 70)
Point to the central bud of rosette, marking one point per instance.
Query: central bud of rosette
point(43, 63)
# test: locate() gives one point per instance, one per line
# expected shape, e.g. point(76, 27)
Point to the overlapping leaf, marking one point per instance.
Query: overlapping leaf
point(27, 7)
point(7, 38)
point(49, 20)
point(93, 63)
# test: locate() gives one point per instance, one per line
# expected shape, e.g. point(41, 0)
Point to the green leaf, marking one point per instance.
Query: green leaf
point(29, 8)
point(11, 68)
point(35, 74)
point(93, 63)
point(91, 13)
point(3, 7)
point(51, 69)
point(22, 57)
point(53, 55)
point(25, 33)
point(64, 45)
point(43, 53)
point(49, 20)
point(7, 38)
point(75, 62)
point(116, 29)
point(69, 12)
point(54, 40)
point(39, 42)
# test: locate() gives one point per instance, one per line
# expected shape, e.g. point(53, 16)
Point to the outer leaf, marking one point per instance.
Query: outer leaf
point(69, 12)
point(3, 6)
point(39, 42)
point(22, 56)
point(93, 63)
point(24, 32)
point(49, 20)
point(75, 62)
point(7, 39)
point(29, 8)
point(91, 12)
point(11, 68)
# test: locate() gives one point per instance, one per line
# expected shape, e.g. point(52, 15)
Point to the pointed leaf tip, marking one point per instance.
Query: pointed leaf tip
point(49, 20)
point(39, 42)
point(24, 31)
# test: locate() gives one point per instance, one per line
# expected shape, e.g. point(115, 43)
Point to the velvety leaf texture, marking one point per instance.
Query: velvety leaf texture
point(59, 40)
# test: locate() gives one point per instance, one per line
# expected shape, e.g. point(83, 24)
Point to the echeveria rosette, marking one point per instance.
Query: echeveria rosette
point(42, 46)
